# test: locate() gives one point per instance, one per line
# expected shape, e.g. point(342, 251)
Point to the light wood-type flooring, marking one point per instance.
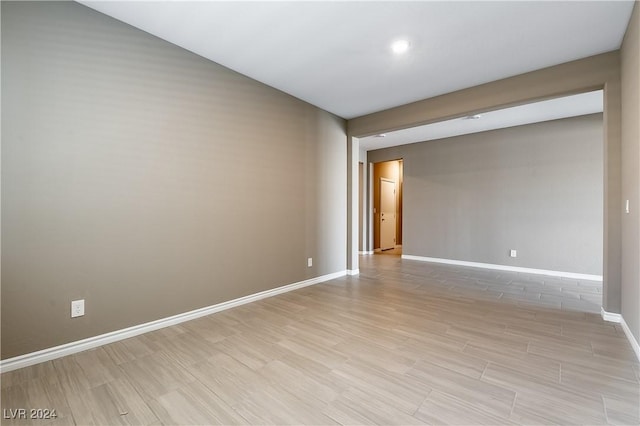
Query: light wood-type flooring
point(404, 342)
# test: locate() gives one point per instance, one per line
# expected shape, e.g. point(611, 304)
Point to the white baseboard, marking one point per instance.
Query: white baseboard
point(366, 252)
point(353, 271)
point(631, 338)
point(573, 275)
point(48, 354)
point(610, 316)
point(617, 318)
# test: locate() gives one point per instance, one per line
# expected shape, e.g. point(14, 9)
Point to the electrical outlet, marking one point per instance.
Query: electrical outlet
point(310, 262)
point(77, 308)
point(513, 253)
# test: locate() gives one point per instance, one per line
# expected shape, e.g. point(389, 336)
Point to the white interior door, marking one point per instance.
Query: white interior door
point(387, 214)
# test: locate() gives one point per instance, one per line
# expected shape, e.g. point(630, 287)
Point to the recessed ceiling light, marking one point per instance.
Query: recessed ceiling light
point(400, 46)
point(381, 135)
point(473, 117)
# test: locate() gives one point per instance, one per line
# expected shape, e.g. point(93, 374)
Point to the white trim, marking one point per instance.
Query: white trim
point(353, 271)
point(630, 337)
point(610, 316)
point(506, 268)
point(617, 318)
point(114, 336)
point(366, 252)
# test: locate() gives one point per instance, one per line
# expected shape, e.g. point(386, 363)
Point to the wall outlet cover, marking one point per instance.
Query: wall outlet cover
point(77, 308)
point(310, 262)
point(513, 253)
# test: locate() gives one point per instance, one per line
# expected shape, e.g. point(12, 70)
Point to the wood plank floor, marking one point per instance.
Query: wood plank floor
point(405, 342)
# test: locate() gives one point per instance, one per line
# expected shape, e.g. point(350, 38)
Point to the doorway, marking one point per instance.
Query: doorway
point(387, 207)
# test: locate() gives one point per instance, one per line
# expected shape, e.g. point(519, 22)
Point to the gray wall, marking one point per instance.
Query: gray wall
point(630, 59)
point(536, 188)
point(149, 181)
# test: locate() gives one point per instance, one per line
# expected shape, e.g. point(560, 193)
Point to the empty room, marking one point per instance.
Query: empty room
point(279, 212)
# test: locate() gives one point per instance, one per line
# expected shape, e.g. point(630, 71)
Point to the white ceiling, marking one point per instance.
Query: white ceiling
point(336, 54)
point(569, 106)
